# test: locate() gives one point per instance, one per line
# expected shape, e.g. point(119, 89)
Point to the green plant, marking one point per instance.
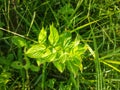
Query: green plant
point(60, 50)
point(58, 59)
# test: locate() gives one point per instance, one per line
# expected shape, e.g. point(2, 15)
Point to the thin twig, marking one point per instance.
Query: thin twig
point(18, 35)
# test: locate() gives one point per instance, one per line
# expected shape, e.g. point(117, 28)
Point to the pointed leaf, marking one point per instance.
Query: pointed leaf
point(42, 36)
point(46, 53)
point(49, 58)
point(72, 68)
point(36, 51)
point(59, 66)
point(54, 36)
point(18, 41)
point(77, 62)
point(64, 57)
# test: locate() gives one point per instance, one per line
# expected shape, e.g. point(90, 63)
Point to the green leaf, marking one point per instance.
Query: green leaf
point(66, 10)
point(77, 62)
point(5, 61)
point(79, 50)
point(42, 36)
point(49, 58)
point(46, 53)
point(36, 51)
point(18, 41)
point(34, 68)
point(5, 77)
point(72, 68)
point(59, 66)
point(51, 83)
point(65, 39)
point(17, 65)
point(64, 57)
point(54, 36)
point(62, 86)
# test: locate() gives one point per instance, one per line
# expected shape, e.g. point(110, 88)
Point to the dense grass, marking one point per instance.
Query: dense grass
point(95, 23)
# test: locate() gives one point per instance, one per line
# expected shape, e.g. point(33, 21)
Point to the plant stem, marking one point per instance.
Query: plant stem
point(97, 64)
point(27, 81)
point(74, 81)
point(43, 76)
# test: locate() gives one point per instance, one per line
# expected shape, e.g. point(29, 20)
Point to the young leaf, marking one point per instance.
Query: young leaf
point(54, 36)
point(42, 36)
point(59, 66)
point(64, 57)
point(18, 41)
point(46, 53)
point(36, 51)
point(49, 58)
